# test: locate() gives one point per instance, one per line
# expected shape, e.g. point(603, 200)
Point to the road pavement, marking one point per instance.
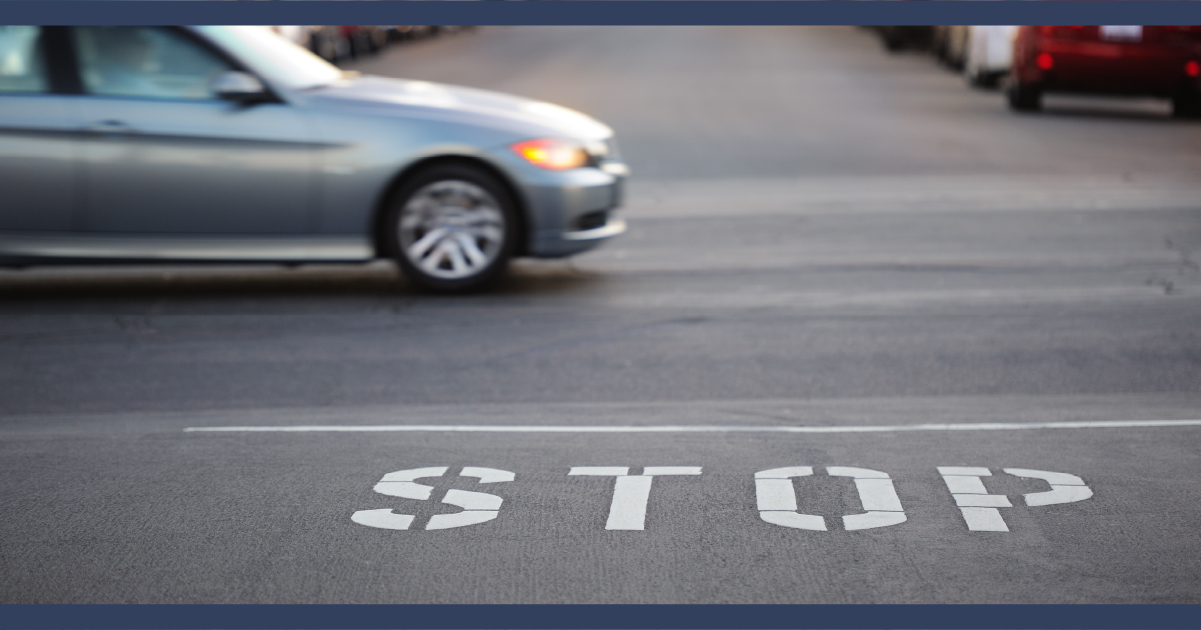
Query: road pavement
point(851, 285)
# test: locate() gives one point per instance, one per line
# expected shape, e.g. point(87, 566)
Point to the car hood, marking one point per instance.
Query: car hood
point(401, 97)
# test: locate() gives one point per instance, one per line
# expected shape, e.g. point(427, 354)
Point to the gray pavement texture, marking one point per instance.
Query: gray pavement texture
point(821, 235)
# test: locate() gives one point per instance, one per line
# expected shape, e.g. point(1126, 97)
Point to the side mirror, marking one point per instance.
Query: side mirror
point(239, 87)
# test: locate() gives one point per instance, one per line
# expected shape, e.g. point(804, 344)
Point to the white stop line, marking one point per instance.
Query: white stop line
point(536, 428)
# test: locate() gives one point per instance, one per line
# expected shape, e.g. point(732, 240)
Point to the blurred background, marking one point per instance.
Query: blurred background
point(701, 102)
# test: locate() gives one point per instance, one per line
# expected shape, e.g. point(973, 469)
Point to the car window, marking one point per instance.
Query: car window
point(145, 62)
point(21, 65)
point(273, 57)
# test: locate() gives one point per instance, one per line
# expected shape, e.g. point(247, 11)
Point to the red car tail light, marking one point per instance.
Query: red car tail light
point(1044, 61)
point(1192, 69)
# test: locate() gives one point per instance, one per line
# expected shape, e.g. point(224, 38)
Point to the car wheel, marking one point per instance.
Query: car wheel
point(452, 228)
point(1186, 105)
point(972, 75)
point(1024, 97)
point(983, 79)
point(893, 39)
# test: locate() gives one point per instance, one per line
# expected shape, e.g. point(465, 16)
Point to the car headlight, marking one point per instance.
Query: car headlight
point(556, 155)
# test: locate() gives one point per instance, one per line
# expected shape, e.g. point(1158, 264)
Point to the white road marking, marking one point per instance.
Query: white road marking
point(979, 508)
point(878, 495)
point(1059, 494)
point(630, 497)
point(534, 428)
point(795, 521)
point(472, 500)
point(654, 471)
point(1053, 478)
point(964, 484)
point(970, 471)
point(774, 491)
point(983, 519)
point(871, 520)
point(775, 495)
point(478, 507)
point(982, 500)
point(461, 519)
point(855, 473)
point(600, 471)
point(404, 490)
point(415, 474)
point(382, 519)
point(487, 475)
point(1065, 488)
point(400, 483)
point(881, 505)
point(631, 493)
point(776, 499)
point(784, 473)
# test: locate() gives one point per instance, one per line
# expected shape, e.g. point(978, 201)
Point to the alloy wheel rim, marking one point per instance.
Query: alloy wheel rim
point(451, 229)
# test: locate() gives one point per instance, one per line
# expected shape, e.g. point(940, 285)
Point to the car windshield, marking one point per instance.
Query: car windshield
point(276, 59)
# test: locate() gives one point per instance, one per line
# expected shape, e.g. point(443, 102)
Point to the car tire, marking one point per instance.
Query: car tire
point(972, 75)
point(983, 80)
point(893, 39)
point(1186, 105)
point(452, 228)
point(1024, 97)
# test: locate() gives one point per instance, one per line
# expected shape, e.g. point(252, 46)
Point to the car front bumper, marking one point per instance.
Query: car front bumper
point(570, 212)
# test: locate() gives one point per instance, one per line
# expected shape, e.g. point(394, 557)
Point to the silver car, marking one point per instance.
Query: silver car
point(232, 144)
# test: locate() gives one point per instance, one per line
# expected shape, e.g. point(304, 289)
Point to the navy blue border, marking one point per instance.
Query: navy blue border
point(651, 12)
point(600, 617)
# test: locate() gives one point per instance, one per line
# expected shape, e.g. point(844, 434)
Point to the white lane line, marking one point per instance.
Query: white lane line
point(534, 428)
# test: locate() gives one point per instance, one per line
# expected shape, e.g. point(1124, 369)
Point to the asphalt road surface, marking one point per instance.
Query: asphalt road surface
point(871, 338)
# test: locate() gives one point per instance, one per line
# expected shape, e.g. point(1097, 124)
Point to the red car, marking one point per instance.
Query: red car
point(1160, 61)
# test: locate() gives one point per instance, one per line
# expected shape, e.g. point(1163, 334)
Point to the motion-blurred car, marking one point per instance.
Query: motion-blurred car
point(1162, 61)
point(233, 144)
point(988, 54)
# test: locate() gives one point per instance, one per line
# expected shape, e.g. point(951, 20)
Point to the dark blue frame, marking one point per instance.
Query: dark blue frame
point(716, 12)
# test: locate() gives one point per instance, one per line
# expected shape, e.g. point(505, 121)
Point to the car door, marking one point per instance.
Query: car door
point(38, 184)
point(163, 155)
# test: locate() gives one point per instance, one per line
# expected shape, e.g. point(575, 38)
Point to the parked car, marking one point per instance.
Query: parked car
point(1162, 61)
point(896, 38)
point(330, 42)
point(949, 44)
point(220, 143)
point(988, 54)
